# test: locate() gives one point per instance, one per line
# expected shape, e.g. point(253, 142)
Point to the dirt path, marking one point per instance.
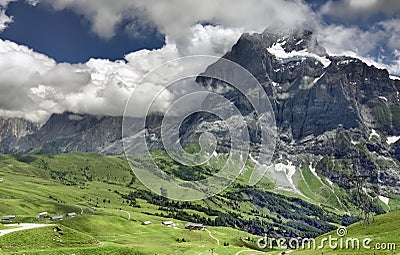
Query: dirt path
point(213, 237)
point(129, 215)
point(21, 227)
point(80, 207)
point(244, 251)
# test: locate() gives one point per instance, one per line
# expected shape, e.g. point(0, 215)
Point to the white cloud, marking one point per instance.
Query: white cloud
point(32, 2)
point(174, 18)
point(178, 18)
point(376, 44)
point(364, 44)
point(33, 85)
point(18, 65)
point(211, 40)
point(391, 28)
point(338, 38)
point(352, 10)
point(4, 18)
point(4, 3)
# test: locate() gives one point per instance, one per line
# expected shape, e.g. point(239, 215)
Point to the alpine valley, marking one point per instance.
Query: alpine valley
point(336, 163)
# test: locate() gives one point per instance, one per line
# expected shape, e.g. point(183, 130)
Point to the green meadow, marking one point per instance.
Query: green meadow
point(111, 206)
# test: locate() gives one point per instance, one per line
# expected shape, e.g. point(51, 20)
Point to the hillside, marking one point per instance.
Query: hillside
point(382, 235)
point(73, 182)
point(382, 231)
point(335, 151)
point(111, 206)
point(103, 225)
point(336, 113)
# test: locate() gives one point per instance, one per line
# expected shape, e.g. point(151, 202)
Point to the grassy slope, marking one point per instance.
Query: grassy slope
point(29, 189)
point(317, 190)
point(384, 229)
point(26, 191)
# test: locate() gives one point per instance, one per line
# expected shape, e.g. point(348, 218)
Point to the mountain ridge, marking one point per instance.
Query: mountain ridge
point(332, 107)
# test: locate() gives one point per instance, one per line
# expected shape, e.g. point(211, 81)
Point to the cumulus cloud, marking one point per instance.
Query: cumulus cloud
point(339, 38)
point(33, 85)
point(379, 45)
point(174, 18)
point(366, 29)
point(4, 18)
point(349, 41)
point(391, 28)
point(18, 65)
point(360, 9)
point(211, 40)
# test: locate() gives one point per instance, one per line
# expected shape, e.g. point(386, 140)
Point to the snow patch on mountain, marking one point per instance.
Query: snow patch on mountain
point(394, 77)
point(314, 172)
point(75, 117)
point(317, 79)
point(288, 171)
point(279, 52)
point(383, 98)
point(330, 183)
point(385, 200)
point(345, 62)
point(374, 133)
point(392, 139)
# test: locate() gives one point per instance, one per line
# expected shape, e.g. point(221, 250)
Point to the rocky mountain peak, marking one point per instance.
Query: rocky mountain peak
point(290, 40)
point(294, 40)
point(16, 127)
point(279, 56)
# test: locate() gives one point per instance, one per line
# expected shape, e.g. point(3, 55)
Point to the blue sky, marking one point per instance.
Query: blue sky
point(67, 37)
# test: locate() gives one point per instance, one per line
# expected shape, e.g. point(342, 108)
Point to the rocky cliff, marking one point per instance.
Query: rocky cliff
point(69, 132)
point(333, 113)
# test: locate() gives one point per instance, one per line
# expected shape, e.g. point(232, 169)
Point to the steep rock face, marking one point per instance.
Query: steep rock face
point(371, 90)
point(336, 112)
point(256, 53)
point(70, 132)
point(12, 129)
point(16, 127)
point(312, 93)
point(325, 106)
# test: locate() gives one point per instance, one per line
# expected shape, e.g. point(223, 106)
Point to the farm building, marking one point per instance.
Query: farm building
point(169, 223)
point(42, 215)
point(56, 217)
point(72, 214)
point(195, 226)
point(8, 218)
point(145, 223)
point(1, 179)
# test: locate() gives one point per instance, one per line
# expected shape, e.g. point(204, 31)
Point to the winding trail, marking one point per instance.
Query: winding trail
point(213, 237)
point(254, 251)
point(80, 207)
point(21, 227)
point(129, 215)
